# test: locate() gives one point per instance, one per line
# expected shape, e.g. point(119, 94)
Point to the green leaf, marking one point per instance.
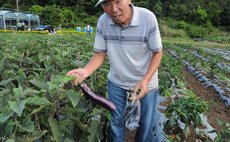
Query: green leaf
point(53, 86)
point(56, 131)
point(21, 76)
point(35, 135)
point(18, 91)
point(68, 140)
point(26, 125)
point(79, 124)
point(4, 117)
point(36, 100)
point(67, 79)
point(30, 91)
point(74, 98)
point(4, 92)
point(17, 107)
point(4, 82)
point(10, 127)
point(10, 140)
point(39, 84)
point(35, 111)
point(95, 131)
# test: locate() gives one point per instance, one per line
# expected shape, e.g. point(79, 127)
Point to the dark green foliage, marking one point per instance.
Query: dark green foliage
point(224, 134)
point(68, 20)
point(198, 12)
point(51, 15)
point(36, 9)
point(197, 31)
point(186, 110)
point(225, 16)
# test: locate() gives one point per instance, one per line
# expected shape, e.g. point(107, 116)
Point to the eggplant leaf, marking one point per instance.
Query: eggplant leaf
point(26, 125)
point(35, 135)
point(4, 82)
point(38, 101)
point(56, 131)
point(17, 107)
point(95, 131)
point(4, 117)
point(18, 91)
point(74, 98)
point(39, 84)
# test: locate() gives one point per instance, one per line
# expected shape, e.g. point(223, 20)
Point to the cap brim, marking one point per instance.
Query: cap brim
point(99, 3)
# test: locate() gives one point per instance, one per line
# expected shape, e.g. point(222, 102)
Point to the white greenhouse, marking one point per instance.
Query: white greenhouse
point(8, 20)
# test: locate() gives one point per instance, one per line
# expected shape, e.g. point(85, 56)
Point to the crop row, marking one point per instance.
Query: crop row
point(37, 102)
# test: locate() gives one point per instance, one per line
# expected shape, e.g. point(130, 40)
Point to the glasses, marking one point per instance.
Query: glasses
point(109, 4)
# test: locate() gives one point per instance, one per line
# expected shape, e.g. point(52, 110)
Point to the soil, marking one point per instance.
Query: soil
point(217, 109)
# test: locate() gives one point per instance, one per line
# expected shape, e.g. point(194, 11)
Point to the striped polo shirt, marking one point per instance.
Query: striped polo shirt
point(129, 48)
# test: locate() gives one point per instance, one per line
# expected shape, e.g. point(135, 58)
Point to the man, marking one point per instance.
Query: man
point(130, 37)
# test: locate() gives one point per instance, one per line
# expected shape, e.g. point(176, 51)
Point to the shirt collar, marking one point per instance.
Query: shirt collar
point(134, 20)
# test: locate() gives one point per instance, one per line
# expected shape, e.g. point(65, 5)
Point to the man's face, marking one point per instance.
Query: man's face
point(118, 10)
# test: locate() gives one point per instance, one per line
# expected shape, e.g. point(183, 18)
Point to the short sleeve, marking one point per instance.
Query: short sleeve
point(99, 43)
point(154, 37)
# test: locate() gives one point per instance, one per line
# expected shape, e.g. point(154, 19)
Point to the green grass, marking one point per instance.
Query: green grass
point(169, 35)
point(217, 38)
point(191, 42)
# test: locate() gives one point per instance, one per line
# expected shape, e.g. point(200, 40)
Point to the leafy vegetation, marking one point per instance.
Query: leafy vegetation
point(37, 102)
point(224, 134)
point(185, 110)
point(36, 99)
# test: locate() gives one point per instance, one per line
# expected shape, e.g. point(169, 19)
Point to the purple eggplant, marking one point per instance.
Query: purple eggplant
point(100, 100)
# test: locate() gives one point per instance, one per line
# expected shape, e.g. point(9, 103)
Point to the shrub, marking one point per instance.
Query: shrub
point(197, 31)
point(181, 25)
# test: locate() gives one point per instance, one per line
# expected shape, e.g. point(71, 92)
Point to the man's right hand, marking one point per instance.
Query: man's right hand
point(80, 73)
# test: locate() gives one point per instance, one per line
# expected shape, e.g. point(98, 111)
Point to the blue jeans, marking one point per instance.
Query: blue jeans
point(145, 133)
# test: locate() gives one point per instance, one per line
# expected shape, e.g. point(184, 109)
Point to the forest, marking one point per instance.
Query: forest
point(72, 13)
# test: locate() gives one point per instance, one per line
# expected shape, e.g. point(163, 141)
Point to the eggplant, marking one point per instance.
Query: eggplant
point(100, 100)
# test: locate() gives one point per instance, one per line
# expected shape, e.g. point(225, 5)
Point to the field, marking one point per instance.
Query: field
point(38, 102)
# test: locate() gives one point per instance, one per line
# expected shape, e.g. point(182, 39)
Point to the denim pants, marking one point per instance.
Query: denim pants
point(145, 133)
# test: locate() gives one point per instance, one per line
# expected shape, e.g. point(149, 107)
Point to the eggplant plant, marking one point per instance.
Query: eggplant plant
point(35, 102)
point(185, 110)
point(224, 134)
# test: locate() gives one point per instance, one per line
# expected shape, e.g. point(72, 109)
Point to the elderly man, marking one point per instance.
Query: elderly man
point(130, 37)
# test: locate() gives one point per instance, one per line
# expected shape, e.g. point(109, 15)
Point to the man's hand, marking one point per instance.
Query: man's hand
point(141, 89)
point(81, 74)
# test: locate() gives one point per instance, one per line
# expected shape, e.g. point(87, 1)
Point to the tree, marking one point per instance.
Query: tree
point(51, 15)
point(37, 9)
point(225, 16)
point(156, 7)
point(68, 18)
point(201, 17)
point(142, 3)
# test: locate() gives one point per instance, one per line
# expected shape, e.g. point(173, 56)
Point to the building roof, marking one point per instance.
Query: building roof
point(33, 17)
point(8, 14)
point(21, 16)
